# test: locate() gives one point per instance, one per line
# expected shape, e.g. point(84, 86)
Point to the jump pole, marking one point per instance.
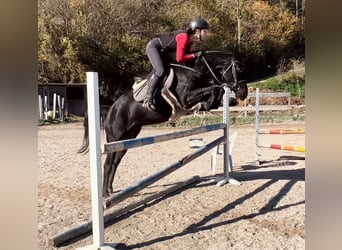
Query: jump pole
point(257, 154)
point(272, 131)
point(129, 191)
point(284, 147)
point(283, 131)
point(226, 156)
point(95, 164)
point(138, 142)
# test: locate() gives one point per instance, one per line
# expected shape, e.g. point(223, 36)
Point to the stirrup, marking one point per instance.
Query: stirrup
point(151, 106)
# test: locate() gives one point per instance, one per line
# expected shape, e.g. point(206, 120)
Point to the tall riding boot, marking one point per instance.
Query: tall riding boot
point(151, 93)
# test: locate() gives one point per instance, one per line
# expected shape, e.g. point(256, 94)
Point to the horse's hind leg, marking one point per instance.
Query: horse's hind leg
point(116, 161)
point(107, 169)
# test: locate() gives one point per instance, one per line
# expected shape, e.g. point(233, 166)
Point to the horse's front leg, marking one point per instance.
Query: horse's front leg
point(203, 95)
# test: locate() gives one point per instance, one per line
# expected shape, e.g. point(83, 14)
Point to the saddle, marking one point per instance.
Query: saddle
point(140, 88)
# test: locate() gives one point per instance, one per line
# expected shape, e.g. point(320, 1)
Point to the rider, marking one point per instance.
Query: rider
point(178, 41)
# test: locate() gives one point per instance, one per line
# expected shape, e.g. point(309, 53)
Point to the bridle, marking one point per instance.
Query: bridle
point(231, 66)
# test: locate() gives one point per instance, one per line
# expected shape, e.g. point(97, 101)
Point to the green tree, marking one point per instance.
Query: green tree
point(267, 31)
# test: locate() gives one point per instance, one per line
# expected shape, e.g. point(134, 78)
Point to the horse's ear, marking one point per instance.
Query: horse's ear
point(240, 66)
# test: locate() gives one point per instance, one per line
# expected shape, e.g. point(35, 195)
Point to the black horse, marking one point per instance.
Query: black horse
point(196, 88)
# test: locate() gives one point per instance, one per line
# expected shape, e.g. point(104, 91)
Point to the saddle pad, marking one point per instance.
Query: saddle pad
point(140, 87)
point(139, 90)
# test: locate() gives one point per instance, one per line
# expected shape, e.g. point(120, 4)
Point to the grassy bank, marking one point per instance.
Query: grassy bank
point(290, 78)
point(235, 119)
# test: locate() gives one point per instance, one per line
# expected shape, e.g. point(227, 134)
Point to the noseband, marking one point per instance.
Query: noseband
point(233, 67)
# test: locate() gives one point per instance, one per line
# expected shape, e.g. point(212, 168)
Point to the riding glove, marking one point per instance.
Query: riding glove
point(198, 54)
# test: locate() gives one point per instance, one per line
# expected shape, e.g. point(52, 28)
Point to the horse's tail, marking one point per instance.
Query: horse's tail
point(85, 144)
point(104, 109)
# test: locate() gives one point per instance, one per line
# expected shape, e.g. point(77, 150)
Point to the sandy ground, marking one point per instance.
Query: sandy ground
point(267, 211)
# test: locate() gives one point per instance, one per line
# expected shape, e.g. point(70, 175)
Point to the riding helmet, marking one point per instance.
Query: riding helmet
point(198, 23)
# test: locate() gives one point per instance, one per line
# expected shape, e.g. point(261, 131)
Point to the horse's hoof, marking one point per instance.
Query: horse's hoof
point(204, 106)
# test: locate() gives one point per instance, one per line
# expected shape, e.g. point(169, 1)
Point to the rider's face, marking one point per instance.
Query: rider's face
point(204, 34)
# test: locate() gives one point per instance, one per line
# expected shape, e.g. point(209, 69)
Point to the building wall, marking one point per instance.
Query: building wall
point(75, 101)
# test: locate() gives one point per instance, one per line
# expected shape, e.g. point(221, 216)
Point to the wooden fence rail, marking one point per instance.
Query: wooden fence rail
point(251, 108)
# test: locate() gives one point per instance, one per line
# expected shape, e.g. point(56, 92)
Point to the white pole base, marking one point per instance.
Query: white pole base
point(106, 246)
point(224, 180)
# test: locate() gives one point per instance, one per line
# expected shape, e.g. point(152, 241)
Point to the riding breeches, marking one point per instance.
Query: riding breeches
point(153, 49)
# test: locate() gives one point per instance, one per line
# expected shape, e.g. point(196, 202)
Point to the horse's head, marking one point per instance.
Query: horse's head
point(225, 70)
point(229, 75)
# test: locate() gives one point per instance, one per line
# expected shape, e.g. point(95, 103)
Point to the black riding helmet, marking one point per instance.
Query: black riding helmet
point(198, 23)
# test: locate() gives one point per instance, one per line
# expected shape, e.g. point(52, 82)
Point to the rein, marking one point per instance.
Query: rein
point(232, 66)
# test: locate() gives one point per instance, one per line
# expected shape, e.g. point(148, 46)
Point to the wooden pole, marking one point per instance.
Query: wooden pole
point(95, 158)
point(282, 131)
point(45, 108)
point(63, 108)
point(284, 147)
point(257, 116)
point(59, 106)
point(54, 106)
point(138, 142)
point(40, 108)
point(227, 159)
point(129, 191)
